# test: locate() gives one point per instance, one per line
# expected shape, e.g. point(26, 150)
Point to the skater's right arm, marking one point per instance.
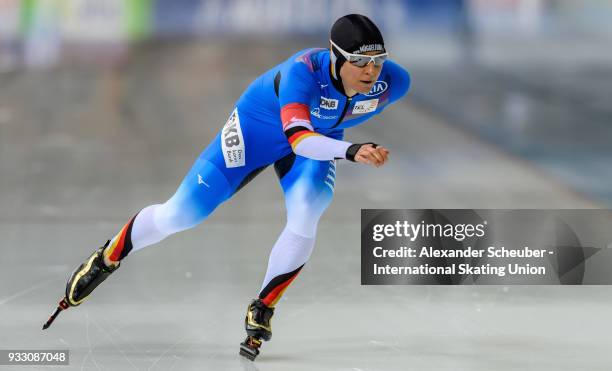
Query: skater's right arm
point(295, 93)
point(304, 140)
point(368, 153)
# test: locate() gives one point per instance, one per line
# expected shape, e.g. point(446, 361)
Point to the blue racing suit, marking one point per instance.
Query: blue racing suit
point(295, 103)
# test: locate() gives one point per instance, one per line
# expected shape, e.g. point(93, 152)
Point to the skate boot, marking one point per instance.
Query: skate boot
point(87, 277)
point(258, 328)
point(83, 281)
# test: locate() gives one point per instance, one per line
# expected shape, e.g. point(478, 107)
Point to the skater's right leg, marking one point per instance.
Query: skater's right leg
point(201, 191)
point(243, 148)
point(224, 167)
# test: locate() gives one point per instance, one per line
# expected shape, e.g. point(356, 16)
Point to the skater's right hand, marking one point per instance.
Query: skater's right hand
point(372, 155)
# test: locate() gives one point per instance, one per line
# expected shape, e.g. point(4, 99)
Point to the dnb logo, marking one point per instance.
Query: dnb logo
point(328, 103)
point(378, 88)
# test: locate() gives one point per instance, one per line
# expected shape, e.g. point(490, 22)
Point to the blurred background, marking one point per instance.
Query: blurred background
point(530, 78)
point(104, 105)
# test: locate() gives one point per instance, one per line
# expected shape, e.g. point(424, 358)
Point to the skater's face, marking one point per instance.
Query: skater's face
point(359, 79)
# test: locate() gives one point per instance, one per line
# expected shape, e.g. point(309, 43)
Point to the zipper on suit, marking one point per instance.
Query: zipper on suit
point(348, 103)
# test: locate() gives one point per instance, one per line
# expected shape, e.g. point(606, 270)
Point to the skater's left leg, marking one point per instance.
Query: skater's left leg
point(308, 186)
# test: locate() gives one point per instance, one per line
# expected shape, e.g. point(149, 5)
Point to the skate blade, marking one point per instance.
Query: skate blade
point(250, 348)
point(63, 304)
point(247, 353)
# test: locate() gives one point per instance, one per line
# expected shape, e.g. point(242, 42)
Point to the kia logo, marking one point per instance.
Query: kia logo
point(378, 88)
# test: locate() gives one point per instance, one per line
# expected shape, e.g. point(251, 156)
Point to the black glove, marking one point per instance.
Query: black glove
point(352, 150)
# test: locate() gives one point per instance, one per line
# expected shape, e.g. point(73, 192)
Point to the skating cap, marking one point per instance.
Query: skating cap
point(356, 34)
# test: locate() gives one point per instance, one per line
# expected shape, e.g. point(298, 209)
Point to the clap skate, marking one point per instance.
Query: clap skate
point(258, 328)
point(83, 281)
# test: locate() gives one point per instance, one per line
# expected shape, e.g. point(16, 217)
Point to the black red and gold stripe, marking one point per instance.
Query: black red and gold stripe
point(296, 119)
point(273, 291)
point(122, 243)
point(297, 134)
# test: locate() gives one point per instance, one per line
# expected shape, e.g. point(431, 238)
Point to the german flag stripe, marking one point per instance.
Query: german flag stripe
point(277, 286)
point(122, 244)
point(280, 294)
point(293, 130)
point(296, 138)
